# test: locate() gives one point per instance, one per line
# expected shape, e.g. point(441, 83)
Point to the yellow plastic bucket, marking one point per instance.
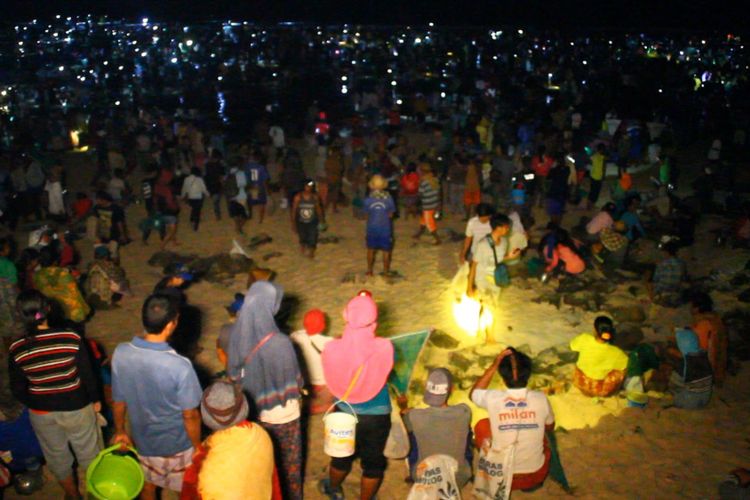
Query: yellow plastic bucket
point(340, 429)
point(114, 476)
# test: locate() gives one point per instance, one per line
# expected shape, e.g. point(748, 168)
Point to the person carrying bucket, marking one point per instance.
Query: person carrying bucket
point(356, 368)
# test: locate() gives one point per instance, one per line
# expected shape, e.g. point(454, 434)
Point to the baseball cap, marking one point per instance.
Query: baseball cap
point(438, 387)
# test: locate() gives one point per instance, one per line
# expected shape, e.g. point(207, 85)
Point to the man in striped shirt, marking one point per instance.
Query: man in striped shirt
point(429, 196)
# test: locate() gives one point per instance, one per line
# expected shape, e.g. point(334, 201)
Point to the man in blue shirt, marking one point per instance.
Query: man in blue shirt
point(257, 185)
point(379, 208)
point(159, 391)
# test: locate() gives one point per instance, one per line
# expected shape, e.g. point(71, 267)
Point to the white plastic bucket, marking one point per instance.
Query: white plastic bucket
point(340, 428)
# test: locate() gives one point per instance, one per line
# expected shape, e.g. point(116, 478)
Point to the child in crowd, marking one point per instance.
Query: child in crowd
point(311, 341)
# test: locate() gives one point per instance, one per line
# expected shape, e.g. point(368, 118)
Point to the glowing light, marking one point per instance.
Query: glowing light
point(4, 93)
point(393, 83)
point(344, 89)
point(442, 95)
point(144, 21)
point(189, 43)
point(61, 68)
point(389, 71)
point(399, 102)
point(144, 53)
point(117, 103)
point(471, 317)
point(75, 139)
point(344, 78)
point(173, 60)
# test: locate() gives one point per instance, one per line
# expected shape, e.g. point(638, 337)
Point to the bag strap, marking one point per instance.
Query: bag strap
point(252, 354)
point(353, 382)
point(491, 242)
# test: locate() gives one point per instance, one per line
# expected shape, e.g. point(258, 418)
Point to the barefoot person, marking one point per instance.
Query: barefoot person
point(429, 197)
point(379, 208)
point(308, 213)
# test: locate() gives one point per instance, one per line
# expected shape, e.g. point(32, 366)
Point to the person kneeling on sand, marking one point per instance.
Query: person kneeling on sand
point(311, 341)
point(440, 429)
point(600, 369)
point(518, 419)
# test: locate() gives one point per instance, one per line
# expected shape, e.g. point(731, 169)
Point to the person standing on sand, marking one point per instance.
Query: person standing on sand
point(380, 209)
point(476, 229)
point(491, 252)
point(50, 372)
point(263, 360)
point(157, 390)
point(356, 368)
point(308, 213)
point(194, 191)
point(429, 196)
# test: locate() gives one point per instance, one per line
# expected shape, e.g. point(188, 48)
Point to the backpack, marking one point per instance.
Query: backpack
point(231, 187)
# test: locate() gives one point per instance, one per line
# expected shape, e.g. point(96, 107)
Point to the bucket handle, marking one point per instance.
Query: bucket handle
point(335, 403)
point(109, 451)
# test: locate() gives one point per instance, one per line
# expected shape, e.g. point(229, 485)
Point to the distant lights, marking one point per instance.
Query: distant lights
point(399, 102)
point(144, 53)
point(144, 21)
point(442, 95)
point(344, 89)
point(389, 71)
point(117, 103)
point(220, 78)
point(393, 83)
point(344, 78)
point(173, 60)
point(189, 43)
point(61, 68)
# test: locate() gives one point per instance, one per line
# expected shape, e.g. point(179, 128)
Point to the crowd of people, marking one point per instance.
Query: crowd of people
point(506, 131)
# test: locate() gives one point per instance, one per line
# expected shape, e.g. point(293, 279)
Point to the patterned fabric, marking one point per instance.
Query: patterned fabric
point(668, 275)
point(10, 325)
point(167, 472)
point(57, 283)
point(287, 440)
point(599, 388)
point(105, 277)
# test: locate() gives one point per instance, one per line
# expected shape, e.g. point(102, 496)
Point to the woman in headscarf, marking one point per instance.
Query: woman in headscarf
point(356, 368)
point(263, 360)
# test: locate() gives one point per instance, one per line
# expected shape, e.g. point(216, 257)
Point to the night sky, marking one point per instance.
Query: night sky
point(581, 15)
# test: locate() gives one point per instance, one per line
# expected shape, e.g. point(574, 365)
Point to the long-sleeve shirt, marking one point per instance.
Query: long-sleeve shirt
point(600, 221)
point(194, 188)
point(51, 371)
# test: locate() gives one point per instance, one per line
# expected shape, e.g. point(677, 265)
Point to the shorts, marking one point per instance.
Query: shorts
point(237, 210)
point(167, 472)
point(261, 198)
point(308, 234)
point(371, 435)
point(472, 197)
point(380, 241)
point(428, 219)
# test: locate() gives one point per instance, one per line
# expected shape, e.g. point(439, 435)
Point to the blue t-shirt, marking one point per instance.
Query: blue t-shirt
point(518, 196)
point(157, 384)
point(379, 210)
point(379, 405)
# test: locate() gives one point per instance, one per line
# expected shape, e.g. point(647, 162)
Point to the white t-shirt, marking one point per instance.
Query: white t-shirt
point(241, 185)
point(55, 196)
point(484, 279)
point(115, 188)
point(518, 412)
point(476, 230)
point(277, 136)
point(281, 414)
point(312, 346)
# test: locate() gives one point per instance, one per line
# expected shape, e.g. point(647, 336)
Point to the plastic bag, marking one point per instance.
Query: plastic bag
point(397, 445)
point(435, 479)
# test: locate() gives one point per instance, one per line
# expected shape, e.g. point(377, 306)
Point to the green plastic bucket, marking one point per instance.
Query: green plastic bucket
point(114, 475)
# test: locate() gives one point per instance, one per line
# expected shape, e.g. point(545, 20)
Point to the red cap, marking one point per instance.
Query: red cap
point(314, 321)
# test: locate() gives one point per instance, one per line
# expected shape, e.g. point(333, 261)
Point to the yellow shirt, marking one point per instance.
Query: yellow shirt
point(596, 359)
point(597, 166)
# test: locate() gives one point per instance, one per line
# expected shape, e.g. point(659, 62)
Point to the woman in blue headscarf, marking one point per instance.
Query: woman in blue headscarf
point(263, 360)
point(693, 381)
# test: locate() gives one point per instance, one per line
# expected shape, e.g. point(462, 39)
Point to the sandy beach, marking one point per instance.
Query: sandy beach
point(607, 449)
